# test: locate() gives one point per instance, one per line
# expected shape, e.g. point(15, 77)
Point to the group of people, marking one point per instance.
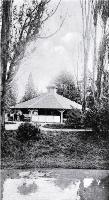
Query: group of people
point(15, 116)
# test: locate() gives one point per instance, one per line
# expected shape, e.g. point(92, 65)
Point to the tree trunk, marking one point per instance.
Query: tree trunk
point(85, 78)
point(5, 34)
point(100, 69)
point(94, 62)
point(102, 72)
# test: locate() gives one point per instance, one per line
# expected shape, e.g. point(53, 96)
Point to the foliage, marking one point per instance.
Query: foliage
point(96, 9)
point(27, 131)
point(89, 98)
point(74, 117)
point(97, 117)
point(64, 149)
point(106, 84)
point(101, 64)
point(20, 25)
point(9, 144)
point(27, 21)
point(11, 96)
point(66, 87)
point(30, 91)
point(101, 10)
point(5, 30)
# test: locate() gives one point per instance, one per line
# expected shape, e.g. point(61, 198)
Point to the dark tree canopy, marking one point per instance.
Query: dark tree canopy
point(66, 87)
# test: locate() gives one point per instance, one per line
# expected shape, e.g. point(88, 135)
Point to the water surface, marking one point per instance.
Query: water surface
point(55, 184)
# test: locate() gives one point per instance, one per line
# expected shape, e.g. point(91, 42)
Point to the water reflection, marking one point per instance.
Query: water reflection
point(27, 188)
point(56, 185)
point(98, 190)
point(87, 182)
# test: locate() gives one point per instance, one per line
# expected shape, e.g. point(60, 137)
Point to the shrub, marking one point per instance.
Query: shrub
point(27, 131)
point(97, 118)
point(9, 144)
point(74, 117)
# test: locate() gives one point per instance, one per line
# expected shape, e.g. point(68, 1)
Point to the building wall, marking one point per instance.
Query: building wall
point(45, 118)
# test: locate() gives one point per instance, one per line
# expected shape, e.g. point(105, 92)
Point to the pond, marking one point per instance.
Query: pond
point(55, 184)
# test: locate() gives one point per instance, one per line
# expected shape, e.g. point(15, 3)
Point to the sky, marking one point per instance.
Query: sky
point(46, 58)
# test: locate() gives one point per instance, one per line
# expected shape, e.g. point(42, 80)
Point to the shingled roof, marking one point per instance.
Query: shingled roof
point(49, 100)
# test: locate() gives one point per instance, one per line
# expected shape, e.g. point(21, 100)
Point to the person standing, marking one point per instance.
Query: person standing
point(15, 116)
point(8, 115)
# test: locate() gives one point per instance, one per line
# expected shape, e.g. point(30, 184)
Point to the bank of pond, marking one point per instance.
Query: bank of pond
point(29, 147)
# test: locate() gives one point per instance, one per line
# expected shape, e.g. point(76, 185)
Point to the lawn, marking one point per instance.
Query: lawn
point(66, 149)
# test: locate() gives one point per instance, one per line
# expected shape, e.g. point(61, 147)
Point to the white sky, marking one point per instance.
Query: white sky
point(45, 58)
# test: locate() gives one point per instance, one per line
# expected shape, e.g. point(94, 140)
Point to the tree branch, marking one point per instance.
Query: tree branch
point(52, 13)
point(52, 34)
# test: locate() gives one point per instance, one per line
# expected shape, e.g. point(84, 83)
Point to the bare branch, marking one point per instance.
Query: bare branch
point(29, 31)
point(52, 13)
point(52, 34)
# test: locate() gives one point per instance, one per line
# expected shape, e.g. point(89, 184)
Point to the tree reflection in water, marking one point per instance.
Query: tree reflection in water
point(26, 189)
point(56, 184)
point(98, 190)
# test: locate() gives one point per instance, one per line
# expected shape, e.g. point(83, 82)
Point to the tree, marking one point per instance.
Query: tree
point(101, 67)
point(95, 44)
point(96, 9)
point(90, 97)
point(106, 84)
point(97, 118)
point(11, 96)
point(101, 9)
point(30, 91)
point(19, 27)
point(86, 33)
point(66, 87)
point(5, 36)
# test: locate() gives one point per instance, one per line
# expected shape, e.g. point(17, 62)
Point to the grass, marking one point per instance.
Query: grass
point(58, 126)
point(67, 150)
